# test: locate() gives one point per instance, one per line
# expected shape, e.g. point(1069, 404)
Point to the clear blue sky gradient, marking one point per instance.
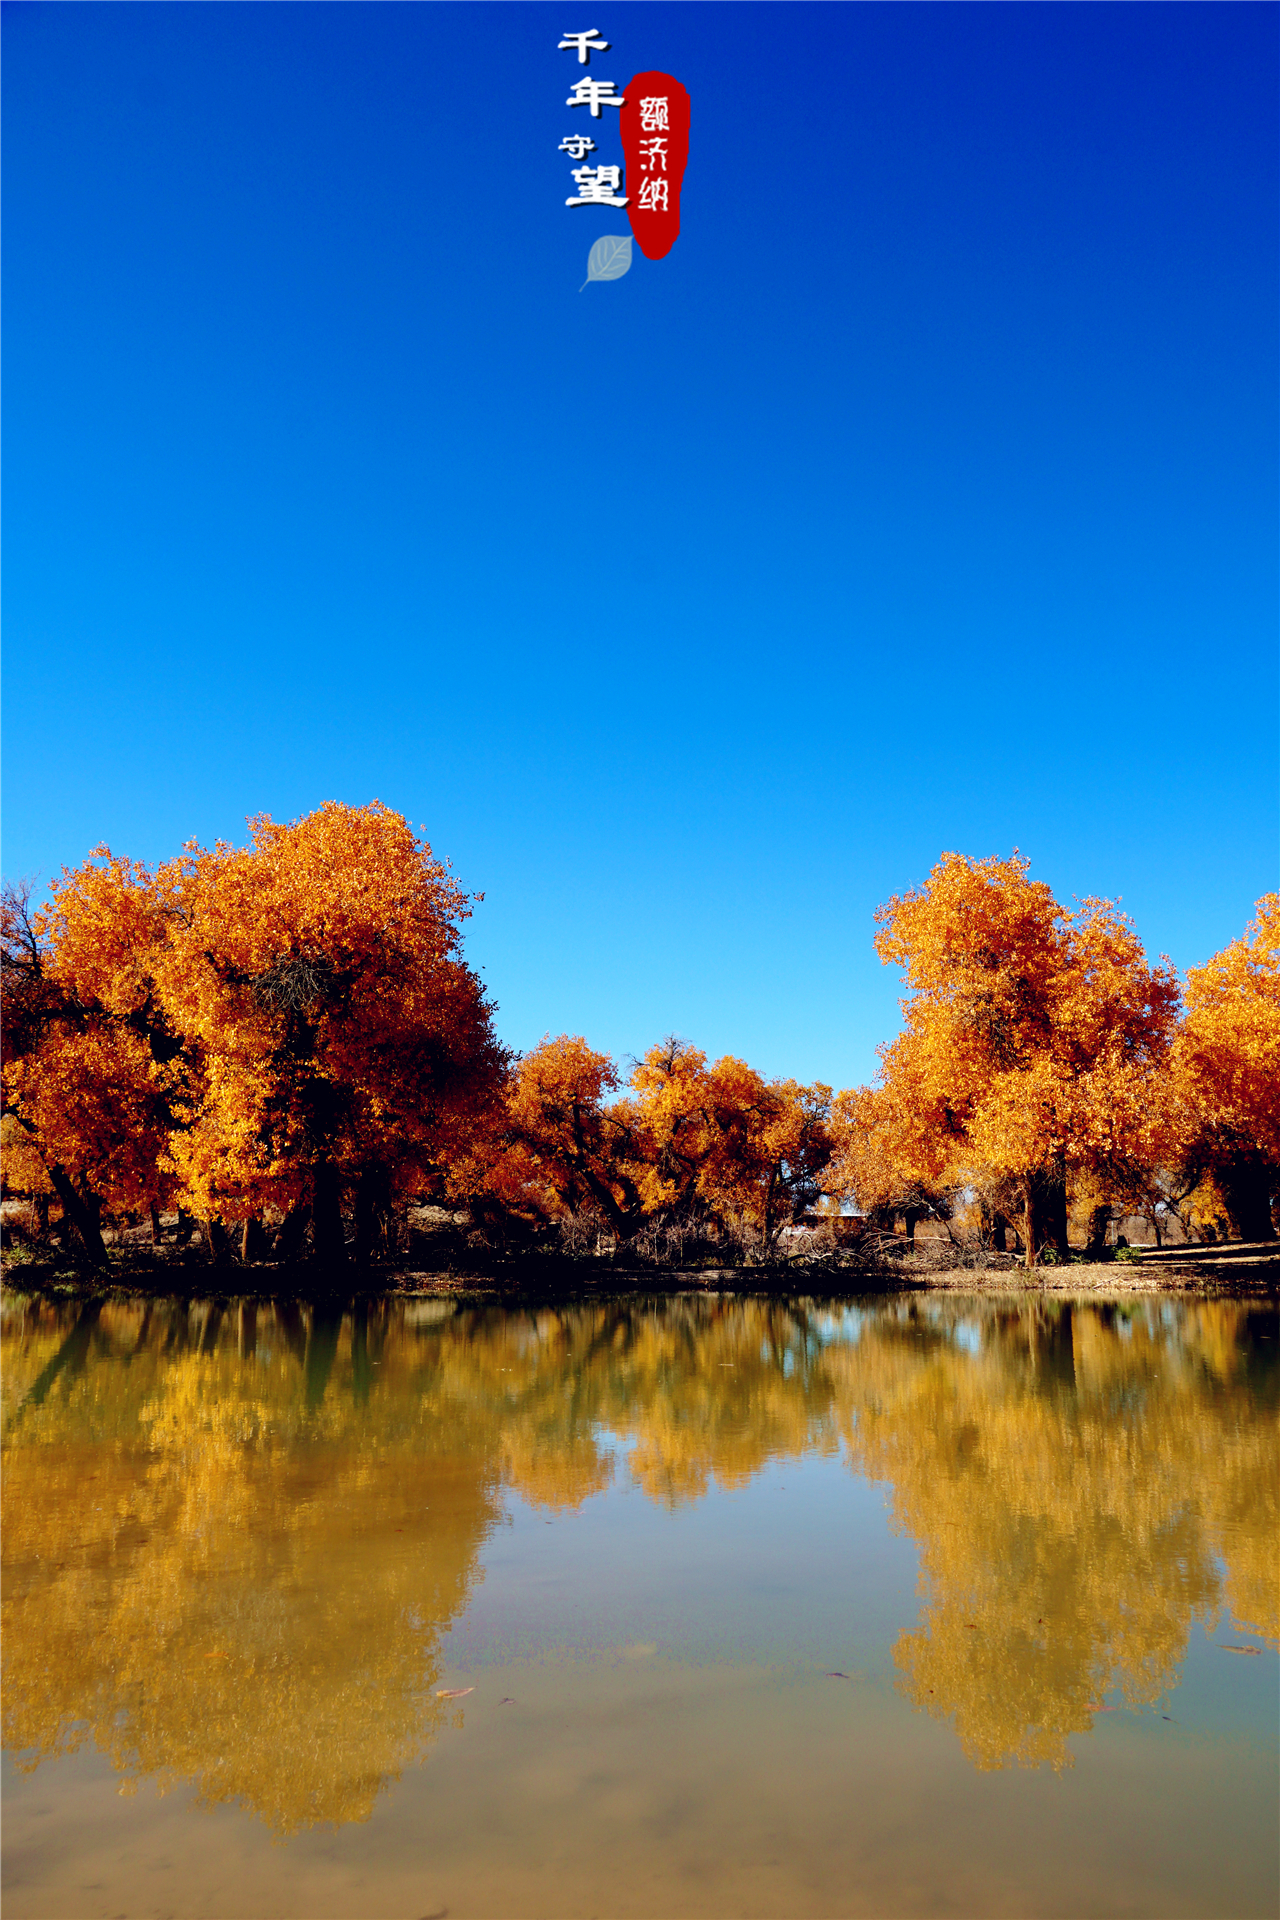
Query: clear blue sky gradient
point(923, 498)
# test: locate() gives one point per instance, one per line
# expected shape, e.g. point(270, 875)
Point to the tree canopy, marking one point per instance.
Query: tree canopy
point(287, 1024)
point(1227, 1071)
point(285, 1039)
point(1033, 1046)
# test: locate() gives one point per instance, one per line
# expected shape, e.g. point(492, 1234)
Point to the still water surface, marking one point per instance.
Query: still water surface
point(921, 1606)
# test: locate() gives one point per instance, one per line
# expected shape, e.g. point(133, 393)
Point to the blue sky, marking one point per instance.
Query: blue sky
point(922, 498)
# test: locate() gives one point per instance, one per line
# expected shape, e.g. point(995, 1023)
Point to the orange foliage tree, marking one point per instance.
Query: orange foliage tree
point(563, 1147)
point(688, 1147)
point(1033, 1045)
point(1227, 1072)
point(92, 1066)
point(289, 1027)
point(724, 1141)
point(347, 1051)
point(288, 1024)
point(889, 1153)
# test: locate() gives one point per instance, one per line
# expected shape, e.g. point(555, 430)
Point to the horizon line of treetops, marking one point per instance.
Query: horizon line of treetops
point(283, 1042)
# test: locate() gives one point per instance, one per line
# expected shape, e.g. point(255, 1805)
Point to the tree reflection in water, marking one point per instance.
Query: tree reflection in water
point(233, 1536)
point(1076, 1487)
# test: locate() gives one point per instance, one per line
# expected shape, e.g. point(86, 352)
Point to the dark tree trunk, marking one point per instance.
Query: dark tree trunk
point(1246, 1188)
point(81, 1216)
point(186, 1227)
point(1031, 1226)
point(1046, 1213)
point(623, 1220)
point(219, 1242)
point(292, 1233)
point(771, 1230)
point(370, 1194)
point(1099, 1221)
point(328, 1246)
point(156, 1235)
point(911, 1218)
point(999, 1233)
point(253, 1241)
point(500, 1226)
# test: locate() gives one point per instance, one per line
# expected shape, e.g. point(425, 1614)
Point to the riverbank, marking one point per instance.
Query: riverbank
point(1221, 1273)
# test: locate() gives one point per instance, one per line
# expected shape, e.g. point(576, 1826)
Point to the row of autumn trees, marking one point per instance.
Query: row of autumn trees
point(284, 1042)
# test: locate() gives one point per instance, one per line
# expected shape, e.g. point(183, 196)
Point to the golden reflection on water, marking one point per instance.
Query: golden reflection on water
point(233, 1538)
point(1082, 1489)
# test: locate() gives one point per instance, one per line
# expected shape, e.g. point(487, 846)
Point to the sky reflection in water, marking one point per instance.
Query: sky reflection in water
point(246, 1548)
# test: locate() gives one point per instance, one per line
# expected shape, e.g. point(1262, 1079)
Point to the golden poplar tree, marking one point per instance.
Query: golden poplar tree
point(1227, 1072)
point(288, 1024)
point(1033, 1045)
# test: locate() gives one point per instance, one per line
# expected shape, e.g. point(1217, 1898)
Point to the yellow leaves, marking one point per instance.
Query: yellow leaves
point(299, 999)
point(558, 1079)
point(343, 883)
point(96, 1097)
point(686, 1138)
point(24, 1171)
point(894, 1137)
point(971, 913)
point(1228, 1050)
point(1040, 1041)
point(232, 1026)
point(561, 1147)
point(102, 928)
point(1034, 1036)
point(742, 1145)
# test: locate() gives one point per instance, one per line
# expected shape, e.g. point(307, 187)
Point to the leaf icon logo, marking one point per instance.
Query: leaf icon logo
point(609, 259)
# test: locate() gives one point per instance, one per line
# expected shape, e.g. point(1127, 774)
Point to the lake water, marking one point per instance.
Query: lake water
point(915, 1606)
